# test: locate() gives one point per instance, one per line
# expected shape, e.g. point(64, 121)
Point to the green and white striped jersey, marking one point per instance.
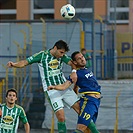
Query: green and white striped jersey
point(10, 118)
point(50, 67)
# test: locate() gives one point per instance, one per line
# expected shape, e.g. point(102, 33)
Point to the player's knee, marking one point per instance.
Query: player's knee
point(76, 107)
point(61, 118)
point(60, 115)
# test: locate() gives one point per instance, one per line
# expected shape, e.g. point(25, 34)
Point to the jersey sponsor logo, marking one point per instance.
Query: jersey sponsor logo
point(53, 64)
point(89, 75)
point(53, 72)
point(6, 126)
point(8, 119)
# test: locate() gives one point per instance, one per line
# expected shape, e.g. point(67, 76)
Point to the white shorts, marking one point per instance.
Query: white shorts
point(56, 98)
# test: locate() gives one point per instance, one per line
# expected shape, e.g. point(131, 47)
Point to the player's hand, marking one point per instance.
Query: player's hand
point(73, 76)
point(51, 88)
point(10, 64)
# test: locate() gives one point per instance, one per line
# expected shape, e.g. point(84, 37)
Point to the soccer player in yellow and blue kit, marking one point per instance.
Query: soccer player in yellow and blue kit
point(91, 90)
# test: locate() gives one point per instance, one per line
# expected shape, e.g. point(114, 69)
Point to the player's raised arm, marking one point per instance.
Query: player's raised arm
point(75, 88)
point(18, 64)
point(61, 86)
point(73, 74)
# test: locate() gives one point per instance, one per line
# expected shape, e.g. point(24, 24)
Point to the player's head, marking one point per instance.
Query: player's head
point(11, 96)
point(60, 48)
point(78, 59)
point(62, 45)
point(83, 51)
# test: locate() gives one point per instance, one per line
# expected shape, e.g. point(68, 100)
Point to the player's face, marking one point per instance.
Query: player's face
point(59, 53)
point(11, 98)
point(80, 60)
point(83, 52)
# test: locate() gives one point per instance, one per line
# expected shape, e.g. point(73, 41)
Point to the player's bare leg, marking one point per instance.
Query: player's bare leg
point(80, 128)
point(76, 107)
point(87, 130)
point(61, 121)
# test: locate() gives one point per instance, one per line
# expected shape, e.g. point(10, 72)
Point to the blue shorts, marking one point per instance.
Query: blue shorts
point(89, 110)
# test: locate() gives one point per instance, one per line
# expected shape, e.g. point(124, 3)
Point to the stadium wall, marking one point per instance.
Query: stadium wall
point(42, 36)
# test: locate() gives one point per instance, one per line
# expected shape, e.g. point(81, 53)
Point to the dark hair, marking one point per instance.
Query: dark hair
point(62, 45)
point(74, 54)
point(11, 90)
point(83, 49)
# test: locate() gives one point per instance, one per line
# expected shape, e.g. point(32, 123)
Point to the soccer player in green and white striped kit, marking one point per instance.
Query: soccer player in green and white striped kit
point(11, 113)
point(50, 64)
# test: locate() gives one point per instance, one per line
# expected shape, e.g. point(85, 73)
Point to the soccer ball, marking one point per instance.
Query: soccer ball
point(67, 11)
